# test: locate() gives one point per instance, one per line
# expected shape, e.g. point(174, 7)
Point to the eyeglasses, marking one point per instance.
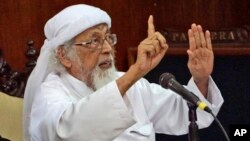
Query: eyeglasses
point(97, 43)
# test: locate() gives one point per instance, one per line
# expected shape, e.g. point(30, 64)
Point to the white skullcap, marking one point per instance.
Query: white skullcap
point(59, 29)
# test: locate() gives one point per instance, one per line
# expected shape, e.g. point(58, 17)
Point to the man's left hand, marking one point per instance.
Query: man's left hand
point(201, 57)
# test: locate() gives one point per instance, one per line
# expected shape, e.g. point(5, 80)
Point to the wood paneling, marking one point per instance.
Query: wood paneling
point(23, 20)
point(181, 51)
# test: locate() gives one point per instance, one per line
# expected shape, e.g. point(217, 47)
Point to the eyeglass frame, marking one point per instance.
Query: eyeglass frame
point(90, 42)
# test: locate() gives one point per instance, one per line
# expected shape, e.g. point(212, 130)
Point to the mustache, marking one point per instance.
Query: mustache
point(109, 59)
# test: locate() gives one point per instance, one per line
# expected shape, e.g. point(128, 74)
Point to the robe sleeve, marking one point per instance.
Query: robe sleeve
point(169, 112)
point(101, 116)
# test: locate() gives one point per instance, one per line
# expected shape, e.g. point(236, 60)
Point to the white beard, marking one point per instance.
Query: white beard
point(103, 77)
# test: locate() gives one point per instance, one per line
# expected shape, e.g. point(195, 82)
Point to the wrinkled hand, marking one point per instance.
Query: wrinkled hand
point(151, 50)
point(201, 57)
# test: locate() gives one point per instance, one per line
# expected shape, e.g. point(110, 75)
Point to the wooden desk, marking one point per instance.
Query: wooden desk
point(227, 50)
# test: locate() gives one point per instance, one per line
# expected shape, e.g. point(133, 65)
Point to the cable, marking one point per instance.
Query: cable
point(218, 122)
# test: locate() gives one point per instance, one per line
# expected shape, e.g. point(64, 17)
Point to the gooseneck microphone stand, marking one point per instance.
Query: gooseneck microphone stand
point(193, 127)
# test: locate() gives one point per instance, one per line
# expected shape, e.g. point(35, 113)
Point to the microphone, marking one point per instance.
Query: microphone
point(167, 80)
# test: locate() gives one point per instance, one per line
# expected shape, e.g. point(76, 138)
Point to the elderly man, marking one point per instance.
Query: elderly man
point(75, 93)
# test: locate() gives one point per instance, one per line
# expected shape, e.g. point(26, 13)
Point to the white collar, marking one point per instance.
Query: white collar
point(77, 86)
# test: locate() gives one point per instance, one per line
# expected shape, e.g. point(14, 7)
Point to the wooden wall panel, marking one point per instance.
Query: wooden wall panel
point(23, 20)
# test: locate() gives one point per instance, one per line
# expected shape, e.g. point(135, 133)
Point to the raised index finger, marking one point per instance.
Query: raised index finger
point(151, 27)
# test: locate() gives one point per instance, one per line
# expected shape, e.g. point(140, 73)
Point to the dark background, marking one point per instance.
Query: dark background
point(231, 74)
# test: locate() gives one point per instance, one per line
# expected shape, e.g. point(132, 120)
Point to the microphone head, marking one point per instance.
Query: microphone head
point(165, 78)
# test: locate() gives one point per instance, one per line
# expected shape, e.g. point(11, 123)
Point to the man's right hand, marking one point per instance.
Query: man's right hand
point(151, 50)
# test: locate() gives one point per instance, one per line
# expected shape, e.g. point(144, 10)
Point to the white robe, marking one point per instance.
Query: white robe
point(65, 109)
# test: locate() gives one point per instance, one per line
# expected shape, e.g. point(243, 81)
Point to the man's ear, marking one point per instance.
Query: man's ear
point(64, 60)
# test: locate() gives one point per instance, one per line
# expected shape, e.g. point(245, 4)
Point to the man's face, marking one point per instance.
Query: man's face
point(92, 61)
